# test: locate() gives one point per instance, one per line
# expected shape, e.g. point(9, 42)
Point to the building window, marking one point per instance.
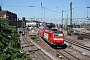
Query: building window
point(15, 18)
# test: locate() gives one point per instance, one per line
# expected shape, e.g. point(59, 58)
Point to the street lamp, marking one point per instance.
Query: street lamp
point(87, 13)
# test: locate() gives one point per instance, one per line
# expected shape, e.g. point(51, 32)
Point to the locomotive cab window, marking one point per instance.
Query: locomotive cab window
point(60, 33)
point(47, 31)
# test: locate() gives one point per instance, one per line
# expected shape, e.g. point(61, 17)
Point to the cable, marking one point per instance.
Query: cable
point(52, 10)
point(18, 6)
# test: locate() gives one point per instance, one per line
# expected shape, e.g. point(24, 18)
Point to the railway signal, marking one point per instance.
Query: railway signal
point(21, 33)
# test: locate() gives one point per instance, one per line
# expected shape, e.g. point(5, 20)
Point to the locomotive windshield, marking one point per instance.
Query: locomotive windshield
point(60, 33)
point(47, 31)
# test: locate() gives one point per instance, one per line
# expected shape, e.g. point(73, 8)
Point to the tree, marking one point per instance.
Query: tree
point(9, 42)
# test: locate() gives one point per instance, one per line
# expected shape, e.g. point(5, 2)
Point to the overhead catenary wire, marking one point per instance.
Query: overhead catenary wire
point(19, 6)
point(52, 10)
point(48, 8)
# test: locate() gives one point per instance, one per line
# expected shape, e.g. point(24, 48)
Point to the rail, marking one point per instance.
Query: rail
point(77, 44)
point(34, 49)
point(67, 55)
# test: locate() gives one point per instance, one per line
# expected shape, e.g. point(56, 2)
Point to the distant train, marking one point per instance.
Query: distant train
point(52, 36)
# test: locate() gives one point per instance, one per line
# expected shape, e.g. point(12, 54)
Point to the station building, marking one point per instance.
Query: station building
point(12, 17)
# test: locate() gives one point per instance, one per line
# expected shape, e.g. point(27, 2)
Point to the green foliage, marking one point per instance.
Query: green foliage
point(34, 37)
point(80, 37)
point(4, 56)
point(4, 25)
point(9, 42)
point(26, 20)
point(67, 28)
point(70, 32)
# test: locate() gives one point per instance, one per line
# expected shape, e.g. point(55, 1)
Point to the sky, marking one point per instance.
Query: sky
point(51, 11)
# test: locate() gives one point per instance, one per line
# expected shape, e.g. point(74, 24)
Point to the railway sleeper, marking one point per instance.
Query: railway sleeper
point(87, 48)
point(82, 47)
point(25, 46)
point(32, 45)
point(67, 41)
point(34, 50)
point(78, 44)
point(74, 42)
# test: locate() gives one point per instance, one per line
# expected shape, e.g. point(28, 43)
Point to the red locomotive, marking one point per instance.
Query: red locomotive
point(53, 36)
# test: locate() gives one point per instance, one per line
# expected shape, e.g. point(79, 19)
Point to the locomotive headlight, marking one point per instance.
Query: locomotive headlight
point(55, 38)
point(58, 38)
point(60, 34)
point(61, 38)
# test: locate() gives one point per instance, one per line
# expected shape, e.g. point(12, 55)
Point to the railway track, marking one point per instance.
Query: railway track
point(34, 49)
point(85, 35)
point(77, 44)
point(67, 55)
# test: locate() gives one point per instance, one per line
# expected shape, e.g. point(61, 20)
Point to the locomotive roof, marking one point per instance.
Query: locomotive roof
point(54, 29)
